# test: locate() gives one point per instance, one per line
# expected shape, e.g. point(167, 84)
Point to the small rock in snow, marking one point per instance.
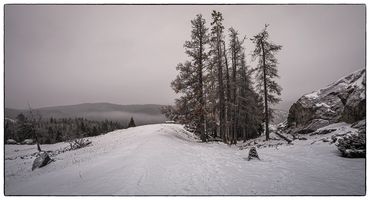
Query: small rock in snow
point(253, 153)
point(42, 160)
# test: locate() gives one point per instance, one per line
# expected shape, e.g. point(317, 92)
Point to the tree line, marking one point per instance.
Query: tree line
point(53, 130)
point(219, 99)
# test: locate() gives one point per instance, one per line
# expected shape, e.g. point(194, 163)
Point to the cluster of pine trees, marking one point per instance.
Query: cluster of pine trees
point(218, 97)
point(53, 130)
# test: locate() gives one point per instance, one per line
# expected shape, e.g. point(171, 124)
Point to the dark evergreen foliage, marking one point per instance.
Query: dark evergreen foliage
point(189, 82)
point(266, 72)
point(131, 123)
point(53, 130)
point(217, 61)
point(218, 99)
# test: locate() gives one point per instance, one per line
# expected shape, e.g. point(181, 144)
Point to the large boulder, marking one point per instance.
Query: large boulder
point(343, 100)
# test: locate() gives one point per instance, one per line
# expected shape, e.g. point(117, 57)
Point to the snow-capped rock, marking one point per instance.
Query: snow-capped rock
point(343, 100)
point(28, 141)
point(11, 141)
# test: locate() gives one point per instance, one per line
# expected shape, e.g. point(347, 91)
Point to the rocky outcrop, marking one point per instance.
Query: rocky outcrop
point(343, 100)
point(355, 107)
point(353, 145)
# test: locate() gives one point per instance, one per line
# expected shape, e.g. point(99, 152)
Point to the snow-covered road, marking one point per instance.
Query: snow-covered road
point(164, 159)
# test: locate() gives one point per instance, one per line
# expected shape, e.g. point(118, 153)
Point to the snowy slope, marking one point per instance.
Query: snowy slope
point(164, 159)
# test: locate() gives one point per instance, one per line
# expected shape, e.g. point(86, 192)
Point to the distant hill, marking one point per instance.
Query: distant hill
point(142, 114)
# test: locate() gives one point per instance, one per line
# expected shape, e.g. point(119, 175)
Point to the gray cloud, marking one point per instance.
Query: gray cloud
point(58, 55)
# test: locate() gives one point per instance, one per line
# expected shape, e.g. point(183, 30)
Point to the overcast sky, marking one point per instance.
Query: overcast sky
point(63, 54)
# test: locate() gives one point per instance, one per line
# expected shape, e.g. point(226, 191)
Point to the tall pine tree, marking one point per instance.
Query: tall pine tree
point(217, 100)
point(266, 72)
point(184, 83)
point(195, 49)
point(216, 41)
point(250, 104)
point(191, 106)
point(236, 50)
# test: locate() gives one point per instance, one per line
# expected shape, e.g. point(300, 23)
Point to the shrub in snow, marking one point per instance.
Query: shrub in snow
point(42, 160)
point(352, 145)
point(79, 143)
point(253, 153)
point(190, 127)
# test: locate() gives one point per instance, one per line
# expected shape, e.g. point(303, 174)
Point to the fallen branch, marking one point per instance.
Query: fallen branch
point(79, 143)
point(283, 137)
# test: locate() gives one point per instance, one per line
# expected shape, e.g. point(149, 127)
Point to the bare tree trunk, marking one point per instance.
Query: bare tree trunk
point(228, 96)
point(236, 121)
point(201, 101)
point(34, 121)
point(285, 138)
point(245, 132)
point(214, 127)
point(37, 141)
point(221, 91)
point(234, 106)
point(265, 91)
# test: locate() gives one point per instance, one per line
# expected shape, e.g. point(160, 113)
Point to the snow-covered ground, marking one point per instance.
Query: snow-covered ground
point(164, 159)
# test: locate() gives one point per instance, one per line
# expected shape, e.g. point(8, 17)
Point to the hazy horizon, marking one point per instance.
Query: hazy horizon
point(82, 103)
point(126, 54)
